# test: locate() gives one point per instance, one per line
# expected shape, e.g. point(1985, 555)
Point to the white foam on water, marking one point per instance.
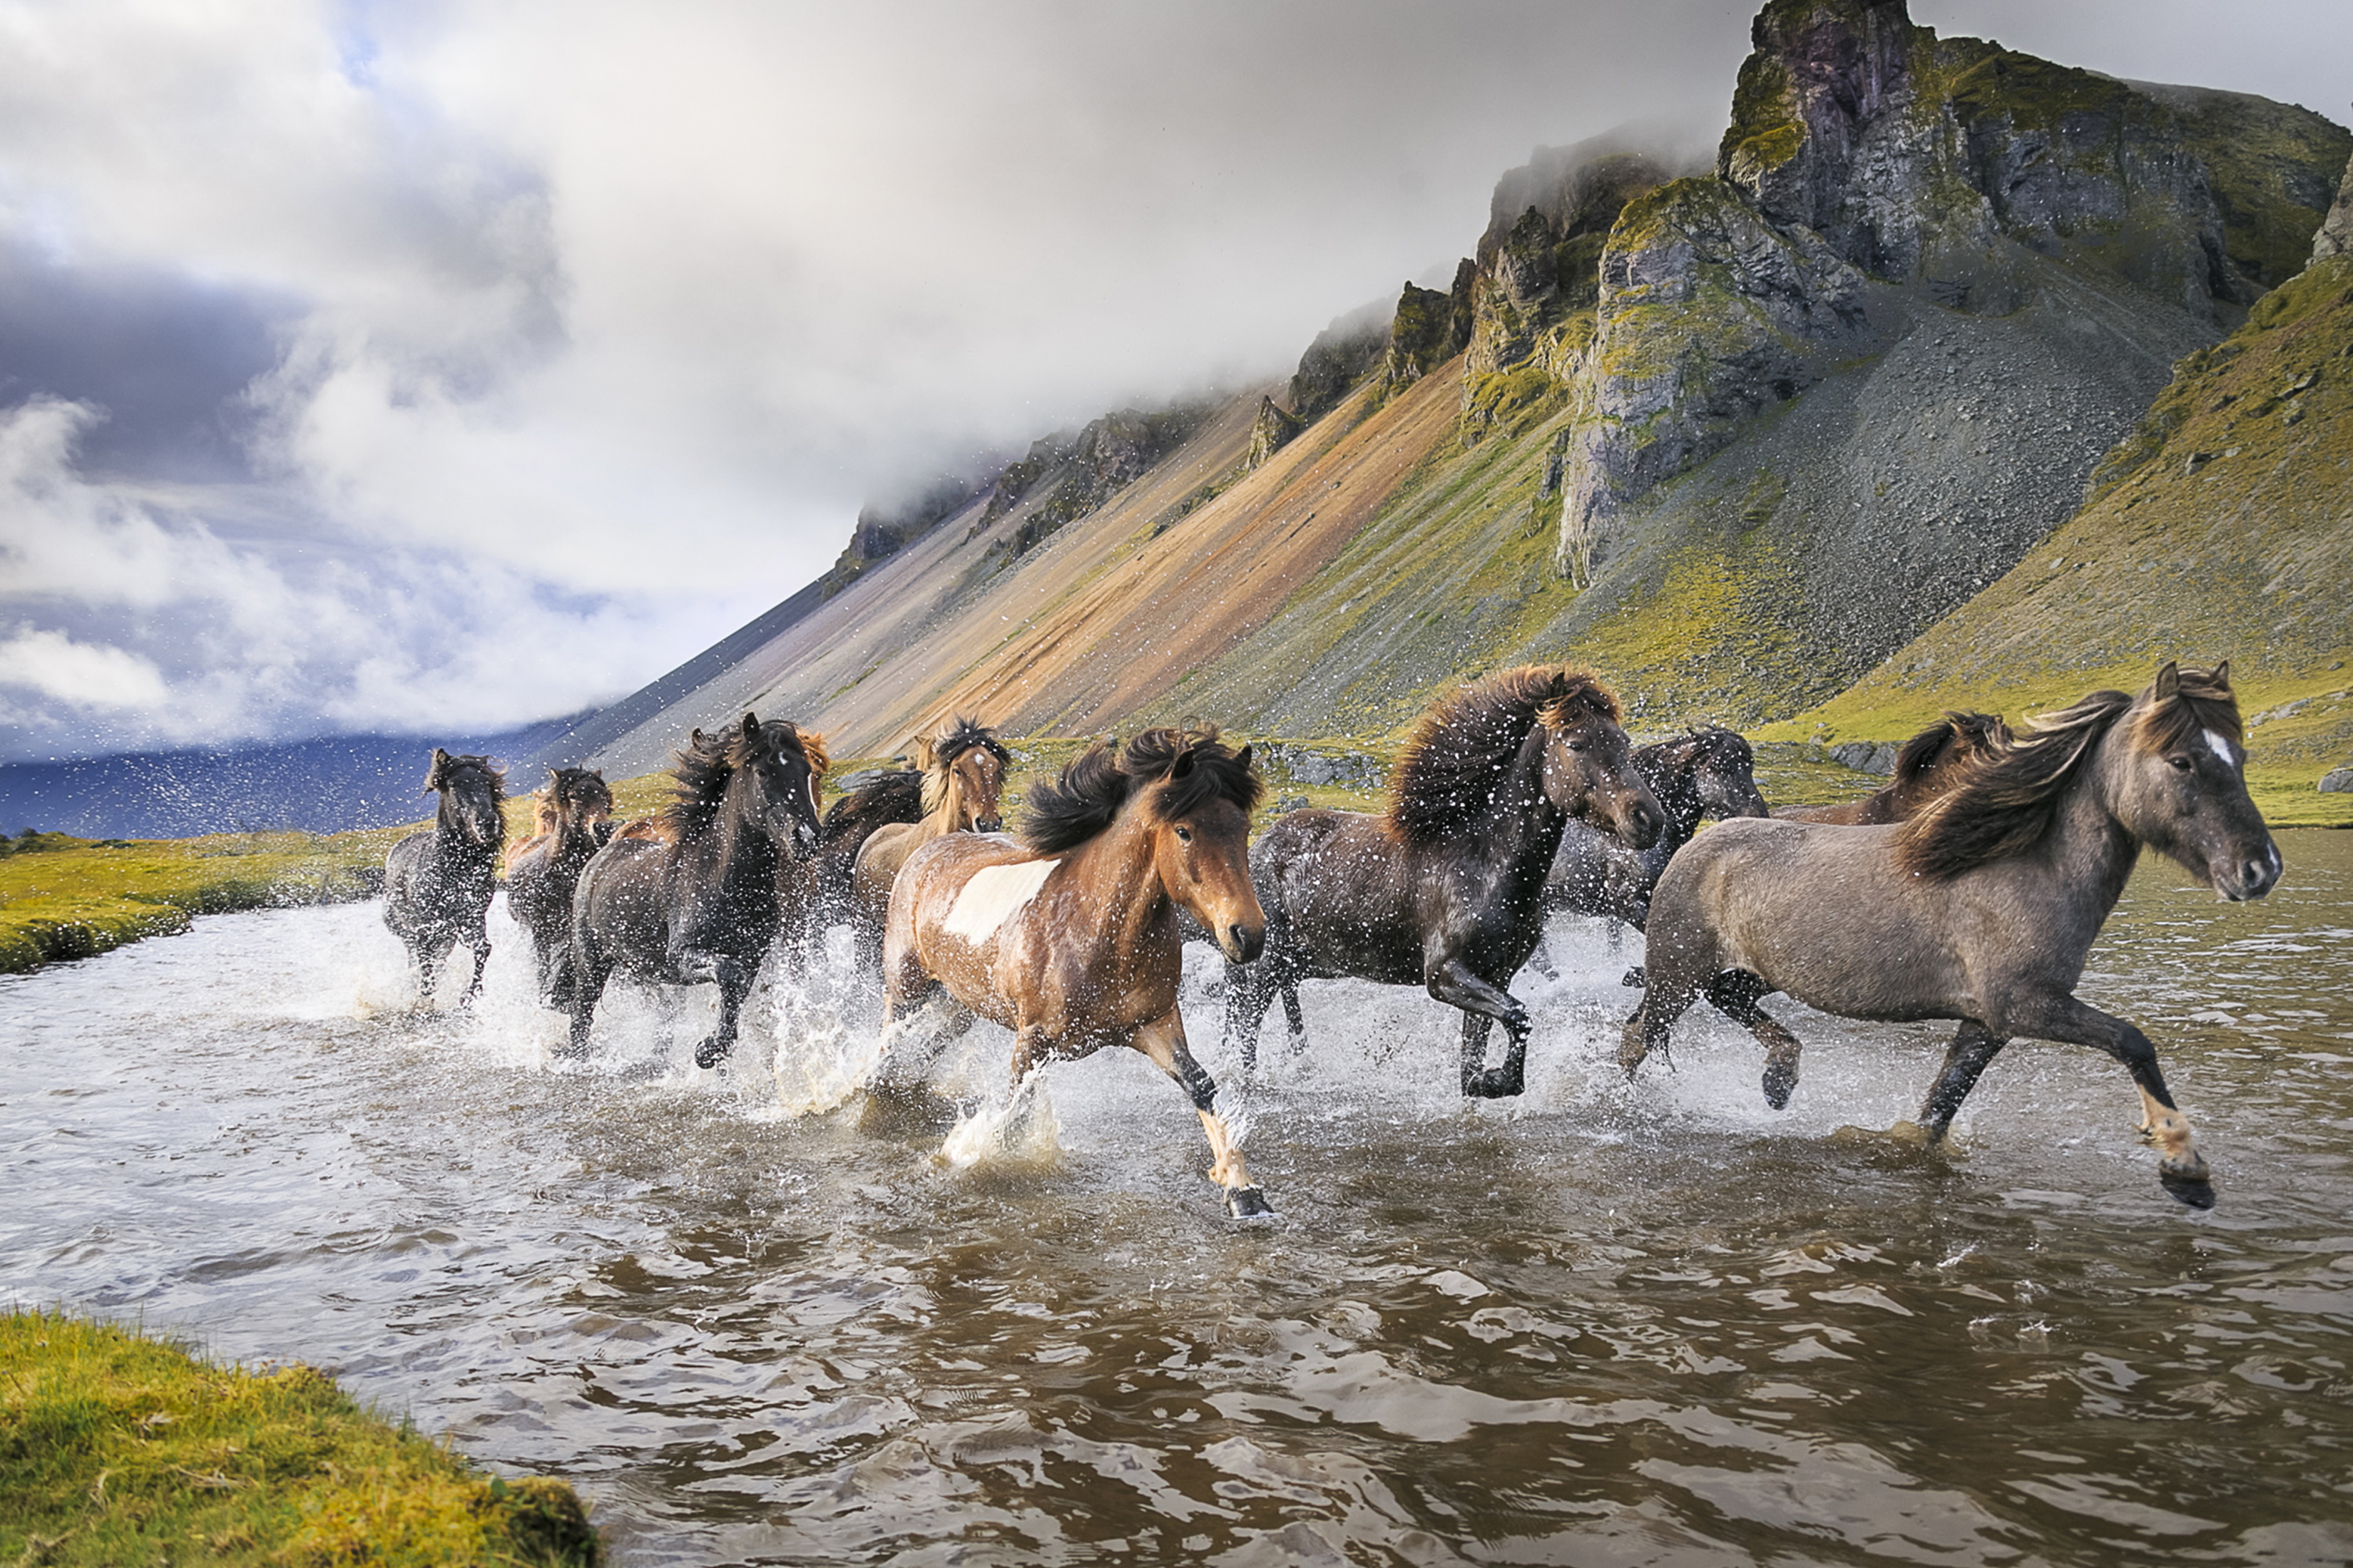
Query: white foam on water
point(1022, 1135)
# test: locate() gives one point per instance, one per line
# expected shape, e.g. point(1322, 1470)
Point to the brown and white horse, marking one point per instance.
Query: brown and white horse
point(964, 774)
point(1068, 934)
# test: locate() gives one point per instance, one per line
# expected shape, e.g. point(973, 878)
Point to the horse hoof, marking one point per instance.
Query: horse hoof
point(1248, 1204)
point(1779, 1086)
point(1634, 978)
point(711, 1053)
point(1494, 1083)
point(2192, 1192)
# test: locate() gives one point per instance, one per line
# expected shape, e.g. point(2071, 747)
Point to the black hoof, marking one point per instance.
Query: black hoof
point(1494, 1084)
point(1248, 1204)
point(1634, 978)
point(712, 1052)
point(1779, 1085)
point(2195, 1193)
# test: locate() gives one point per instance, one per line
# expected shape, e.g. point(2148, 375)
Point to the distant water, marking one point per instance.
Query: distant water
point(324, 786)
point(1605, 1324)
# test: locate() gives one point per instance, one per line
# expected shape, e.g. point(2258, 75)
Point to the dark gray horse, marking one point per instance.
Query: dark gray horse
point(1708, 772)
point(1446, 890)
point(698, 900)
point(437, 883)
point(1980, 909)
point(573, 824)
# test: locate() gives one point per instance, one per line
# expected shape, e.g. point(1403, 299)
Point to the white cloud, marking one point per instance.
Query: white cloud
point(55, 665)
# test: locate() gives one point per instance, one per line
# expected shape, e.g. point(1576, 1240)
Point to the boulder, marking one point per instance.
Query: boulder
point(2338, 781)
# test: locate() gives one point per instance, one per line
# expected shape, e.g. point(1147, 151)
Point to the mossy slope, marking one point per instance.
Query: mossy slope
point(117, 1451)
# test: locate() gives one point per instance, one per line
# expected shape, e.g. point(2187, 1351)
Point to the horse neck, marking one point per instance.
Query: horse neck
point(1674, 784)
point(1524, 826)
point(1119, 862)
point(2096, 852)
point(734, 844)
point(939, 823)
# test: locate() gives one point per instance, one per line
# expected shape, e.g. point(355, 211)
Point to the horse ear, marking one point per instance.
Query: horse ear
point(2168, 680)
point(1243, 756)
point(2222, 674)
point(1183, 765)
point(436, 771)
point(751, 724)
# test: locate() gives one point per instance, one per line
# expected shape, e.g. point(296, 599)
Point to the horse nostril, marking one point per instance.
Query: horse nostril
point(1245, 942)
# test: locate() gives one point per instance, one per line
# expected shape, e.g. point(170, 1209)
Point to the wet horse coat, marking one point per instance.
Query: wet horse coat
point(543, 869)
point(1068, 935)
point(1980, 910)
point(964, 773)
point(438, 884)
point(1708, 772)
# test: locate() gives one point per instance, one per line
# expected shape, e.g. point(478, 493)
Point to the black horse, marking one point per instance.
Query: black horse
point(699, 901)
point(437, 883)
point(573, 824)
point(853, 819)
point(1708, 772)
point(1446, 890)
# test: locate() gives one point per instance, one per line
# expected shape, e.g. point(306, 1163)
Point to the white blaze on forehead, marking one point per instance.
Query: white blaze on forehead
point(2221, 749)
point(994, 895)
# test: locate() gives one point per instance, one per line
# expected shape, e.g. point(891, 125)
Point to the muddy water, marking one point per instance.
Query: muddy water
point(1604, 1325)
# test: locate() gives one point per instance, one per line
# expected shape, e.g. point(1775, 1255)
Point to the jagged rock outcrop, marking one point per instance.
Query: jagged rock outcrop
point(1540, 259)
point(1069, 474)
point(883, 530)
point(1269, 432)
point(1428, 329)
point(2336, 236)
point(1342, 355)
point(1860, 146)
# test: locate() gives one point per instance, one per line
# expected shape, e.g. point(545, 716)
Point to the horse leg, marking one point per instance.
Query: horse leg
point(1736, 993)
point(1973, 1046)
point(905, 1058)
point(590, 970)
point(1452, 982)
point(735, 977)
point(1247, 998)
point(1677, 966)
point(2061, 1017)
point(1163, 1043)
point(481, 941)
point(1291, 1017)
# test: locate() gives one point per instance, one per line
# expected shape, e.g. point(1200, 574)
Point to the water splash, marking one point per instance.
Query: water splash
point(1023, 1134)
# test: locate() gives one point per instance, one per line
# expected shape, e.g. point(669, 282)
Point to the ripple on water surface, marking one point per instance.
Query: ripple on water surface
point(1644, 1324)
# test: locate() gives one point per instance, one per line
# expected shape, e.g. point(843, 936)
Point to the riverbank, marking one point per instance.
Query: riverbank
point(117, 1449)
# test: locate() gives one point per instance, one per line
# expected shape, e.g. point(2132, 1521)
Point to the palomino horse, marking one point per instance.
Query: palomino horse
point(964, 773)
point(1981, 908)
point(1068, 935)
point(1446, 891)
point(437, 883)
point(1928, 764)
point(571, 815)
point(1708, 772)
point(701, 902)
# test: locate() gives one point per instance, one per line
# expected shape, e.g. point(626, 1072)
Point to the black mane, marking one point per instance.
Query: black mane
point(1445, 780)
point(894, 797)
point(1083, 801)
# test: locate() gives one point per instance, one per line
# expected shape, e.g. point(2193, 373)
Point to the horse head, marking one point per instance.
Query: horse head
point(2178, 782)
point(1198, 794)
point(1588, 768)
point(965, 776)
point(1724, 769)
point(777, 765)
point(583, 796)
point(470, 791)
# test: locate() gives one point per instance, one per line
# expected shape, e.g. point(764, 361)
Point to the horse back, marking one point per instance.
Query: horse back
point(944, 918)
point(618, 904)
point(1346, 890)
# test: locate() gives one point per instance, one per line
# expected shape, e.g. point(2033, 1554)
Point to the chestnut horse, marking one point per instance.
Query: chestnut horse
point(573, 816)
point(1068, 934)
point(699, 901)
point(1446, 891)
point(437, 883)
point(1981, 908)
point(964, 774)
point(1928, 764)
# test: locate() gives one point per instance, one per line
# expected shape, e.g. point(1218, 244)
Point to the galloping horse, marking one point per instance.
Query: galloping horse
point(1708, 772)
point(1446, 891)
point(437, 883)
point(1068, 934)
point(543, 870)
point(1980, 909)
point(701, 902)
point(964, 773)
point(1927, 765)
point(892, 797)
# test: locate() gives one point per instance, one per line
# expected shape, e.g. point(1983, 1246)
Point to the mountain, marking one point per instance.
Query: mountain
point(1740, 437)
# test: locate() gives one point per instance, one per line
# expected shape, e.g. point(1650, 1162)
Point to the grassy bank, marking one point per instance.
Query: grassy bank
point(121, 1451)
point(64, 898)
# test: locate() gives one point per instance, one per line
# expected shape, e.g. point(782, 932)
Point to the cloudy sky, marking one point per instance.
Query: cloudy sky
point(418, 366)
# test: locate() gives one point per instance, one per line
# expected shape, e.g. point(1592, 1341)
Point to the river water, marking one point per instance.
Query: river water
point(1654, 1324)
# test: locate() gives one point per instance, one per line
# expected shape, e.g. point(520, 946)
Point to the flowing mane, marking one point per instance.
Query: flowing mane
point(1446, 777)
point(962, 735)
point(1967, 733)
point(1082, 803)
point(704, 764)
point(2008, 797)
point(895, 796)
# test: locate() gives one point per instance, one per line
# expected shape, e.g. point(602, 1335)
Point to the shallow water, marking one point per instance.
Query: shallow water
point(1655, 1324)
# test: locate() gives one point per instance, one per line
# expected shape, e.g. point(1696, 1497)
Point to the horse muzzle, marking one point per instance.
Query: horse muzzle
point(1242, 944)
point(991, 824)
point(2247, 880)
point(1640, 822)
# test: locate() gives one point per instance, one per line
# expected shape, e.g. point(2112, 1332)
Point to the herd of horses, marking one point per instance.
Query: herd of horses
point(1969, 888)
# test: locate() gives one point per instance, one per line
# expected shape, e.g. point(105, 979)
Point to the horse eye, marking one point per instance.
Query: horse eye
point(2181, 763)
point(1184, 835)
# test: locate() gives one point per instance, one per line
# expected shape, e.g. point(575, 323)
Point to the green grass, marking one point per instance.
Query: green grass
point(120, 1451)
